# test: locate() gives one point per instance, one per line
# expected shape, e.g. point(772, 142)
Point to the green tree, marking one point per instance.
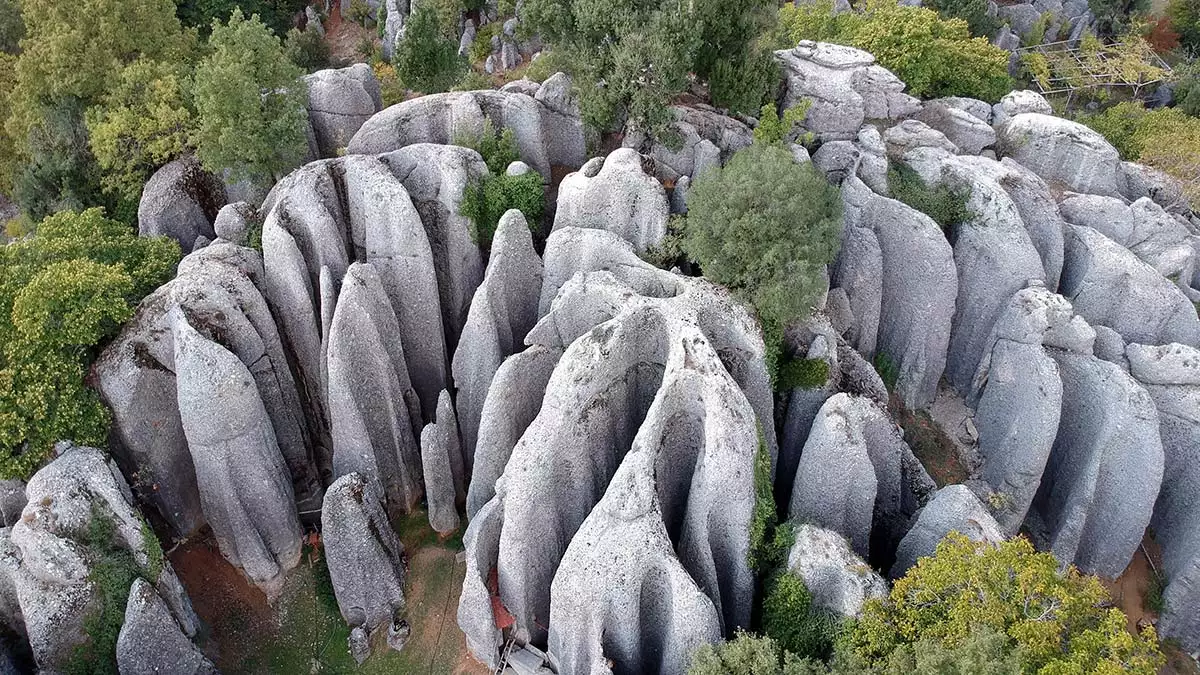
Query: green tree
point(143, 122)
point(974, 12)
point(65, 291)
point(789, 618)
point(934, 56)
point(56, 170)
point(765, 227)
point(12, 27)
point(1115, 17)
point(426, 59)
point(1056, 618)
point(9, 156)
point(250, 100)
point(307, 49)
point(278, 15)
point(1187, 88)
point(1185, 20)
point(746, 654)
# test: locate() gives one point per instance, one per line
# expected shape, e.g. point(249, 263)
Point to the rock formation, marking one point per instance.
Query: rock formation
point(151, 640)
point(616, 196)
point(953, 509)
point(180, 201)
point(339, 102)
point(839, 580)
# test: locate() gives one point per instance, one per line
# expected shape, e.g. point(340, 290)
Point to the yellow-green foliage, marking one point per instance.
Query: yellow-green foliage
point(802, 374)
point(771, 129)
point(1057, 619)
point(64, 291)
point(934, 56)
point(1167, 139)
point(791, 620)
point(141, 124)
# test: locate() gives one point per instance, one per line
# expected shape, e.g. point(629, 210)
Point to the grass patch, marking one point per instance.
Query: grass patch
point(1154, 593)
point(888, 371)
point(946, 205)
point(802, 374)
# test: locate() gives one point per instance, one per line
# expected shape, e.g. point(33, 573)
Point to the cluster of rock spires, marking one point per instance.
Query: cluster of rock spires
point(598, 419)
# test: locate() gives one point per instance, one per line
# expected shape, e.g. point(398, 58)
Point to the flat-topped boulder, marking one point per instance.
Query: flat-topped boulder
point(1062, 152)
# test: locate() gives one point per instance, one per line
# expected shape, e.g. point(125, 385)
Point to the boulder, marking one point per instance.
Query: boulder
point(180, 201)
point(1166, 364)
point(1017, 102)
point(339, 102)
point(910, 134)
point(1107, 284)
point(442, 464)
point(365, 558)
point(849, 476)
point(373, 407)
point(858, 271)
point(839, 580)
point(151, 641)
point(846, 88)
point(1062, 152)
point(953, 509)
point(966, 131)
point(1143, 181)
point(1104, 472)
point(620, 198)
point(233, 222)
point(503, 310)
point(1151, 233)
point(244, 486)
point(708, 138)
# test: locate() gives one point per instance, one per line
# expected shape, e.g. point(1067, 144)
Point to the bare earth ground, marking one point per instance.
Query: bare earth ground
point(304, 633)
point(343, 37)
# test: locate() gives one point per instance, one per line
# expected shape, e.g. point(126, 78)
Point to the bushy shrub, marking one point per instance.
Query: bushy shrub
point(765, 227)
point(427, 60)
point(12, 27)
point(771, 129)
point(497, 148)
point(974, 12)
point(944, 203)
point(472, 80)
point(1185, 19)
point(934, 56)
point(307, 49)
point(1187, 88)
point(1166, 139)
point(791, 620)
point(65, 291)
point(1115, 17)
point(143, 122)
point(802, 374)
point(742, 84)
point(484, 202)
point(1057, 619)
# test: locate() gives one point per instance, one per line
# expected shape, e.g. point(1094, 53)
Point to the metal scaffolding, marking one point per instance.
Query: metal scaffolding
point(1076, 66)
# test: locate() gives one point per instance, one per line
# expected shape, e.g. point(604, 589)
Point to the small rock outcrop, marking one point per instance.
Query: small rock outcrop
point(180, 201)
point(365, 558)
point(151, 641)
point(953, 509)
point(846, 88)
point(1062, 152)
point(339, 102)
point(839, 580)
point(442, 465)
point(619, 197)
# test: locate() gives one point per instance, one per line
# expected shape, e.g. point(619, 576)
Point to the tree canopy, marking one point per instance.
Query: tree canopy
point(426, 59)
point(250, 101)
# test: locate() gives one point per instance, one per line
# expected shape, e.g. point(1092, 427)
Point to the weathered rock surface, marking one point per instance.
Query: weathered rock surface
point(620, 198)
point(373, 407)
point(180, 201)
point(1143, 227)
point(1104, 473)
point(547, 127)
point(442, 465)
point(1062, 152)
point(339, 102)
point(1016, 102)
point(953, 509)
point(839, 580)
point(708, 140)
point(968, 132)
point(364, 555)
point(1108, 285)
point(243, 481)
point(503, 310)
point(151, 641)
point(846, 87)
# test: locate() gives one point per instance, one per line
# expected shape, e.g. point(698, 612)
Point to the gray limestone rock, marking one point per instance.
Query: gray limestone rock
point(642, 582)
point(953, 509)
point(1062, 152)
point(1143, 227)
point(1167, 364)
point(966, 131)
point(233, 222)
point(1017, 102)
point(1110, 346)
point(439, 481)
point(859, 273)
point(152, 642)
point(548, 132)
point(1104, 472)
point(1143, 181)
point(707, 139)
point(911, 134)
point(845, 86)
point(243, 481)
point(849, 476)
point(180, 201)
point(503, 310)
point(1109, 285)
point(339, 102)
point(476, 616)
point(839, 580)
point(373, 407)
point(620, 198)
point(388, 230)
point(365, 557)
point(919, 285)
point(513, 400)
point(12, 500)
